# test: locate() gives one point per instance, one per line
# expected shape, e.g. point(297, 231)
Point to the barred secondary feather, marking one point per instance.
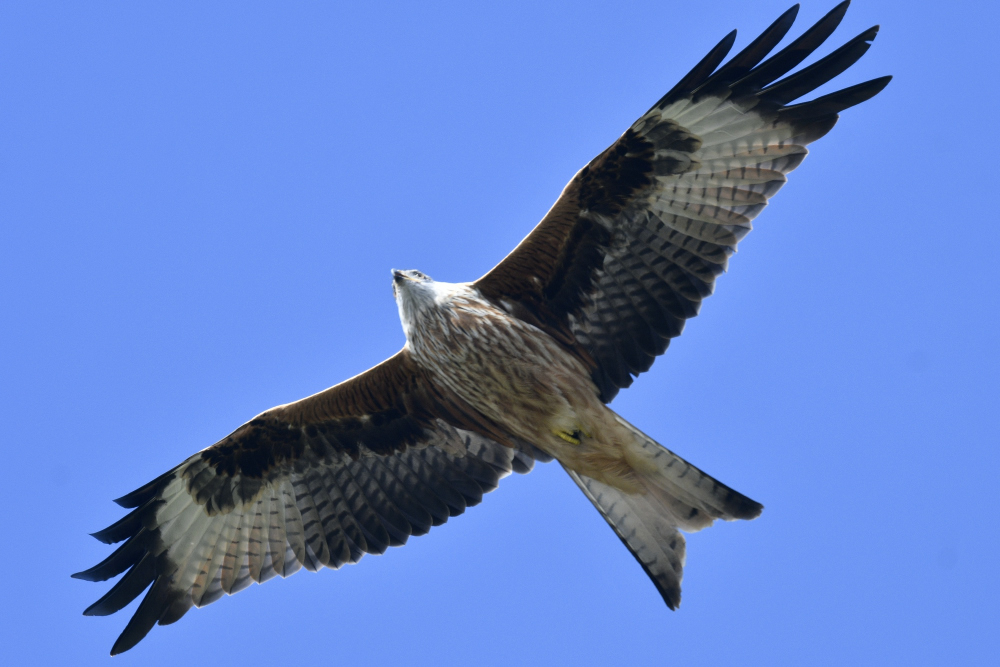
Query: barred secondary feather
point(516, 367)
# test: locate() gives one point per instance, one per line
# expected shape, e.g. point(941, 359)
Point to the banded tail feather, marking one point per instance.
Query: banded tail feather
point(677, 496)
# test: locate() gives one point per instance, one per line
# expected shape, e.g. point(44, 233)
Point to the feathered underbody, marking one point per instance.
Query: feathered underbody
point(516, 367)
point(518, 377)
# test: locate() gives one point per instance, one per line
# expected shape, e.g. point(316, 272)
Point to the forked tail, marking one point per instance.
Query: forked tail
point(677, 496)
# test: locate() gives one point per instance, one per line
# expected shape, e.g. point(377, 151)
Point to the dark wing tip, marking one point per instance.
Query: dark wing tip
point(87, 575)
point(120, 560)
point(700, 72)
point(787, 18)
point(815, 75)
point(122, 529)
point(865, 91)
point(834, 103)
point(792, 55)
point(126, 589)
point(145, 492)
point(838, 11)
point(156, 604)
point(881, 82)
point(744, 61)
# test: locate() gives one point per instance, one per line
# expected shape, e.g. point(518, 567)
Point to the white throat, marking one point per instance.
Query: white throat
point(417, 300)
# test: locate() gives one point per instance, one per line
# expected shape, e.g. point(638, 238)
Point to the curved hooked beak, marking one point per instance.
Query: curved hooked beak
point(398, 278)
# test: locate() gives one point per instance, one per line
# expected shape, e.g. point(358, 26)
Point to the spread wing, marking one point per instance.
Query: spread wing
point(639, 235)
point(318, 483)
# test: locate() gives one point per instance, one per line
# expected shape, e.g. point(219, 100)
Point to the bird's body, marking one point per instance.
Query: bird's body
point(516, 367)
point(518, 377)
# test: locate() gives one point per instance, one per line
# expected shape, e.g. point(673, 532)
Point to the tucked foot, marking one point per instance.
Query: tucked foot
point(572, 438)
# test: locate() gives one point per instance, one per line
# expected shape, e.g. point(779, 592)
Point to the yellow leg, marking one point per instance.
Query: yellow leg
point(572, 438)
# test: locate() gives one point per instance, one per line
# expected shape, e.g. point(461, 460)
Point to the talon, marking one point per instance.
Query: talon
point(572, 438)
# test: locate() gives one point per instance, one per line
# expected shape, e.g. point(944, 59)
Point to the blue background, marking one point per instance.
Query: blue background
point(199, 207)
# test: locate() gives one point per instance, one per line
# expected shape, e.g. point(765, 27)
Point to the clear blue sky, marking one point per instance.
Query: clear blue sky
point(199, 208)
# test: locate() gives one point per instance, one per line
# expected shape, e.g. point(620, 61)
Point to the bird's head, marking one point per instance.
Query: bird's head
point(414, 292)
point(407, 283)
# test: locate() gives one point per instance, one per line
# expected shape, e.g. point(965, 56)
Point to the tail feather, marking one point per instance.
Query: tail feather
point(644, 528)
point(677, 496)
point(686, 483)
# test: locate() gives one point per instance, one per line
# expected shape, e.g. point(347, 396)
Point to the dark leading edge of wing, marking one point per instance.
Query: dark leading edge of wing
point(317, 483)
point(638, 237)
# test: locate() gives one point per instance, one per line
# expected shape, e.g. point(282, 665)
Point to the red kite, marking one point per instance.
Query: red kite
point(516, 367)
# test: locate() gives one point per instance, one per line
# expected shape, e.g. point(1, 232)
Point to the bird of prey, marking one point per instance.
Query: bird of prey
point(516, 367)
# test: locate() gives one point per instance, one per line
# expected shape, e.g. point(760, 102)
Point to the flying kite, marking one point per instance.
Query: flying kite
point(516, 367)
